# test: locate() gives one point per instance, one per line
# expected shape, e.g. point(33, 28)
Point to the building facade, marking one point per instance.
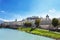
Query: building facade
point(44, 21)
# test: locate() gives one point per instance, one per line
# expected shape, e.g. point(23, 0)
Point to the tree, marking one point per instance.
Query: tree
point(28, 24)
point(37, 22)
point(59, 22)
point(55, 22)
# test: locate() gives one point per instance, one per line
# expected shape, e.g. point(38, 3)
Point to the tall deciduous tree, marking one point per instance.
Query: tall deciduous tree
point(37, 22)
point(55, 22)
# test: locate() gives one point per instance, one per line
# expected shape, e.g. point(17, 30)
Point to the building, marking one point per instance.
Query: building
point(45, 22)
point(30, 19)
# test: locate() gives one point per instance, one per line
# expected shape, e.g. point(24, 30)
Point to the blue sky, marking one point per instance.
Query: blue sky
point(20, 9)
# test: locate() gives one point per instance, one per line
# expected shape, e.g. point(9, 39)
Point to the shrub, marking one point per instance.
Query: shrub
point(27, 24)
point(37, 22)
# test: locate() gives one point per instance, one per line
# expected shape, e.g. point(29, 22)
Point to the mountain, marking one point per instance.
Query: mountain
point(1, 21)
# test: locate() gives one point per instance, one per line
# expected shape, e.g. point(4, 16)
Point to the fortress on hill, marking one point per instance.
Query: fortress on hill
point(44, 21)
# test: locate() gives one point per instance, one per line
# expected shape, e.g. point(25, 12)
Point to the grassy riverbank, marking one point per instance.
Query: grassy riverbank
point(42, 32)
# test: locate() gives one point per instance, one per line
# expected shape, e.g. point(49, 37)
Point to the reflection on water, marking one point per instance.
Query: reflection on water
point(10, 34)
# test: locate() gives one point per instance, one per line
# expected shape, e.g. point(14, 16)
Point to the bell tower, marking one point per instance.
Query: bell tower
point(47, 17)
point(15, 20)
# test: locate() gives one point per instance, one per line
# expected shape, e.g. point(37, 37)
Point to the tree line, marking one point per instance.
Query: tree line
point(55, 22)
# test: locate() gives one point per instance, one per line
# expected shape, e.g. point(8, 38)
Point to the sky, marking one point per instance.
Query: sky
point(20, 9)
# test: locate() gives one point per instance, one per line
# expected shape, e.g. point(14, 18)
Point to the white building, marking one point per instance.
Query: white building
point(44, 21)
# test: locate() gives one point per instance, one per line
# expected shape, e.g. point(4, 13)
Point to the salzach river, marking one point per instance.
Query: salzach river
point(10, 34)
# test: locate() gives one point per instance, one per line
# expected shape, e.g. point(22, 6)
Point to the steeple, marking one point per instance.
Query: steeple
point(15, 20)
point(47, 17)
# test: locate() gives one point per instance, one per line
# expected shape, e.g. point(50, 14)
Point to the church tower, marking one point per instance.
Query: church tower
point(47, 17)
point(15, 20)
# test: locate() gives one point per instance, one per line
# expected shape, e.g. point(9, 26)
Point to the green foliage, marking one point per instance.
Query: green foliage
point(28, 24)
point(27, 29)
point(59, 22)
point(37, 22)
point(41, 32)
point(46, 33)
point(55, 22)
point(32, 29)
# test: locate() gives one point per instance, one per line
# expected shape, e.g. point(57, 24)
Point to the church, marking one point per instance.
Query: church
point(45, 22)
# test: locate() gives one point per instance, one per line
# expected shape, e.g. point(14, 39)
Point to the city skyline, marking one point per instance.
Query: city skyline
point(20, 9)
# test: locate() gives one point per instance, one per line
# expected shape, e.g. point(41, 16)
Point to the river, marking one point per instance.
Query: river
point(10, 34)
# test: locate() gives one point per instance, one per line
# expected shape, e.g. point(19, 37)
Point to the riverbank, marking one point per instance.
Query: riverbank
point(41, 32)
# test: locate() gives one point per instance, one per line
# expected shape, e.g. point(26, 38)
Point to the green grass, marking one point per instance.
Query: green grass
point(45, 33)
point(24, 29)
point(41, 32)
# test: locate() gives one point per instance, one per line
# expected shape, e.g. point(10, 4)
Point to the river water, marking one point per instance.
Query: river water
point(10, 34)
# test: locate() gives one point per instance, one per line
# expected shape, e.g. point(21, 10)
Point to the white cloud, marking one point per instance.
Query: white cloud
point(17, 16)
point(52, 11)
point(13, 17)
point(6, 20)
point(52, 14)
point(2, 11)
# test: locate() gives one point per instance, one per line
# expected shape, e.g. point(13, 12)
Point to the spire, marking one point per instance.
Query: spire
point(15, 20)
point(47, 15)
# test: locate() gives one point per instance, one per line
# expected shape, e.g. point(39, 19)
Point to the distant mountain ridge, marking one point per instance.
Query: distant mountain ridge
point(1, 21)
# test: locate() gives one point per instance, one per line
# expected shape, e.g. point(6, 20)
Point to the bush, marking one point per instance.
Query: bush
point(27, 24)
point(24, 29)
